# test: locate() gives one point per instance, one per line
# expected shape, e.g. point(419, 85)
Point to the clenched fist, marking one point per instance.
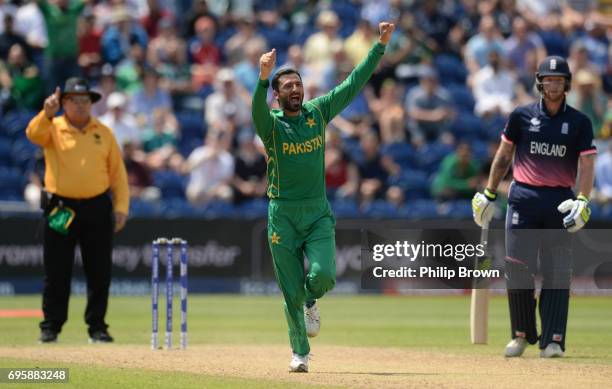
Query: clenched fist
point(266, 64)
point(386, 30)
point(52, 104)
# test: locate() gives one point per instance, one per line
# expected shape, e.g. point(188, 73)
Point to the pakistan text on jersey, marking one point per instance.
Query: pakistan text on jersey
point(543, 148)
point(303, 147)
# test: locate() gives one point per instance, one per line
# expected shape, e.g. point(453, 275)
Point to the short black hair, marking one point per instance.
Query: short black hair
point(282, 72)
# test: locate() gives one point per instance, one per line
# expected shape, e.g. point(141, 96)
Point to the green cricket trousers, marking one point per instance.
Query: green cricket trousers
point(297, 228)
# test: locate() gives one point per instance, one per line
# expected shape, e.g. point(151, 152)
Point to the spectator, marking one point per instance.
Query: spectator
point(106, 87)
point(120, 120)
point(245, 36)
point(521, 42)
point(131, 70)
point(388, 112)
point(588, 98)
point(247, 71)
point(457, 177)
point(597, 45)
point(174, 69)
point(318, 47)
point(160, 141)
point(61, 19)
point(341, 174)
point(139, 176)
point(249, 180)
point(603, 177)
point(158, 51)
point(358, 44)
point(579, 60)
point(429, 109)
point(433, 22)
point(9, 37)
point(494, 88)
point(408, 49)
point(30, 23)
point(373, 169)
point(6, 8)
point(227, 108)
point(90, 38)
point(478, 47)
point(150, 97)
point(199, 9)
point(204, 53)
point(211, 169)
point(20, 81)
point(118, 38)
point(151, 20)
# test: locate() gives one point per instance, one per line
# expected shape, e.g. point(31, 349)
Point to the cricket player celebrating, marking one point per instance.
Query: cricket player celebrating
point(300, 220)
point(551, 142)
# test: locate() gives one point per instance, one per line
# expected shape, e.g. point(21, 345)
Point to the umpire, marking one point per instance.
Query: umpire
point(82, 165)
point(551, 143)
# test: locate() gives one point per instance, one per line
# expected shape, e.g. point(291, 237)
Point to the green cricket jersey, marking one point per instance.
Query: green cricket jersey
point(296, 144)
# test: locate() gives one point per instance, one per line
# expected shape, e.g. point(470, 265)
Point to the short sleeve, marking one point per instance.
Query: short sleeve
point(585, 138)
point(512, 131)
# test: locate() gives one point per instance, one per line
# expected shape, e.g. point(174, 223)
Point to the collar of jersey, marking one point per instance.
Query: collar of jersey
point(543, 109)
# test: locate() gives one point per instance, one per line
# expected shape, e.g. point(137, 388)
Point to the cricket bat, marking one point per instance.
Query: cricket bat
point(479, 305)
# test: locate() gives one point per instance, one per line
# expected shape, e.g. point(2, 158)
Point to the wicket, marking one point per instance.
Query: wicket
point(169, 244)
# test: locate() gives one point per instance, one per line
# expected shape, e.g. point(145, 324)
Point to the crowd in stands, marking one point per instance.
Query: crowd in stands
point(177, 76)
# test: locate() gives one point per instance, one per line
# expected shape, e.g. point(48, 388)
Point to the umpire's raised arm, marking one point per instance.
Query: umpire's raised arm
point(341, 96)
point(260, 111)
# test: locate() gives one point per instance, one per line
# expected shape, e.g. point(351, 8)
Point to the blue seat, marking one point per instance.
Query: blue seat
point(467, 126)
point(380, 209)
point(5, 151)
point(140, 208)
point(450, 69)
point(345, 208)
point(177, 208)
point(171, 184)
point(419, 209)
point(217, 209)
point(252, 209)
point(191, 123)
point(415, 183)
point(457, 209)
point(430, 156)
point(401, 153)
point(12, 178)
point(462, 97)
point(23, 153)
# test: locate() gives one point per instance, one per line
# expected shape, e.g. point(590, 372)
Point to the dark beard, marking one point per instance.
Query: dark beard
point(287, 105)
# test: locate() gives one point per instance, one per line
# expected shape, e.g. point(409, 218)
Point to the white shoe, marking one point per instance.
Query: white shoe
point(553, 350)
point(299, 363)
point(516, 347)
point(312, 319)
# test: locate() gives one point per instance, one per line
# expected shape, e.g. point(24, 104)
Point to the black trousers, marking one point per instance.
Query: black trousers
point(92, 229)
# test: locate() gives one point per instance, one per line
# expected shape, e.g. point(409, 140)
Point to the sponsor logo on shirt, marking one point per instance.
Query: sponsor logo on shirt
point(564, 128)
point(547, 149)
point(303, 147)
point(535, 125)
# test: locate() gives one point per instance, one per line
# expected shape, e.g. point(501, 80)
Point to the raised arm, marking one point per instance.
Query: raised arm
point(338, 98)
point(262, 118)
point(39, 129)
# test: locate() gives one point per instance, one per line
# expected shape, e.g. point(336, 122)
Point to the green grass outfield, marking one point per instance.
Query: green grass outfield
point(419, 323)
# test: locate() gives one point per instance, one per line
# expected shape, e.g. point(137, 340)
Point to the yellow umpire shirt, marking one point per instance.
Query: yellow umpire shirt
point(80, 164)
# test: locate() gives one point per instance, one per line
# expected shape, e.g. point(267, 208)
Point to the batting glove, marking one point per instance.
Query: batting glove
point(579, 213)
point(483, 207)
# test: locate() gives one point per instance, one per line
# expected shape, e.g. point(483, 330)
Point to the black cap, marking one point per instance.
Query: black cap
point(79, 86)
point(554, 66)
